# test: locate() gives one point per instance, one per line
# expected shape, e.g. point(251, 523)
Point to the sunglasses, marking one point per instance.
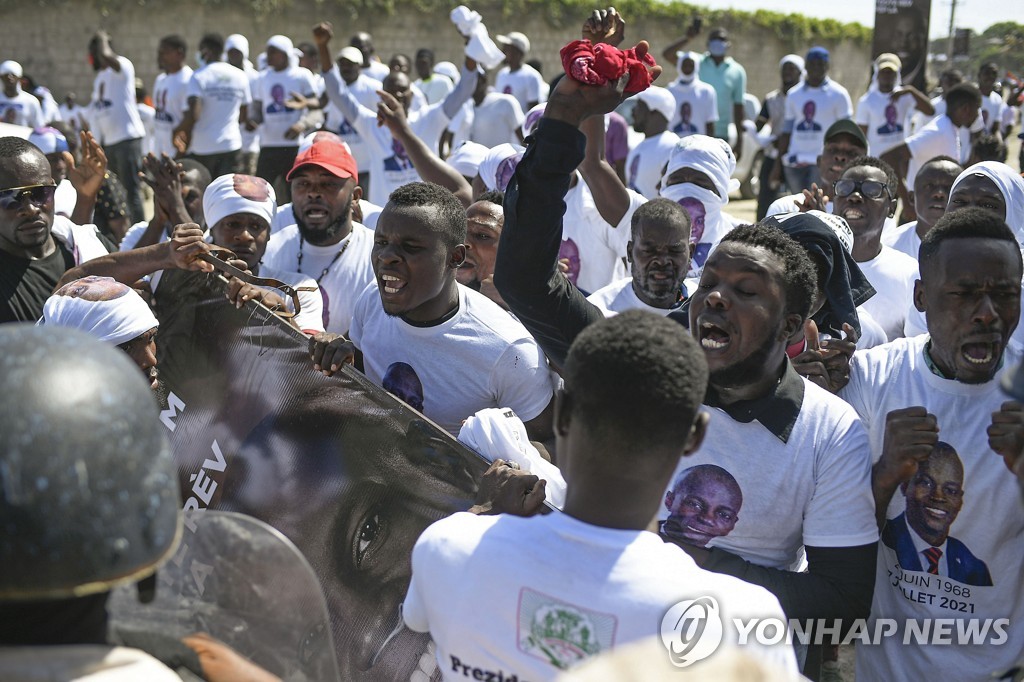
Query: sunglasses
point(39, 195)
point(872, 189)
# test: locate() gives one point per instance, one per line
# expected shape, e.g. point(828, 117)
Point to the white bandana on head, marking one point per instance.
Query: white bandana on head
point(709, 155)
point(236, 193)
point(1009, 183)
point(497, 168)
point(101, 307)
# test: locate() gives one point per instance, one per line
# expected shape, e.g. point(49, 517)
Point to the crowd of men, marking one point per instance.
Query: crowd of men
point(798, 419)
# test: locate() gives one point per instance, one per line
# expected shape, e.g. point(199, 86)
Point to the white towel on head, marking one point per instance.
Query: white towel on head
point(237, 193)
point(499, 165)
point(99, 306)
point(497, 433)
point(710, 155)
point(467, 158)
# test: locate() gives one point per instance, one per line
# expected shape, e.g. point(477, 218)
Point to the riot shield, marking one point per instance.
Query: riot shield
point(244, 584)
point(345, 470)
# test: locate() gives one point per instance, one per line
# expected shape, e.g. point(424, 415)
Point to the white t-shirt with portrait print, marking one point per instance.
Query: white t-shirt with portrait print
point(986, 537)
point(113, 115)
point(273, 90)
point(170, 100)
point(21, 110)
point(809, 113)
point(346, 277)
point(814, 489)
point(222, 90)
point(703, 107)
point(892, 274)
point(884, 119)
point(482, 357)
point(558, 591)
point(647, 160)
point(595, 250)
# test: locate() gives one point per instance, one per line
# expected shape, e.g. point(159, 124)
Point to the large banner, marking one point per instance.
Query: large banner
point(901, 27)
point(347, 472)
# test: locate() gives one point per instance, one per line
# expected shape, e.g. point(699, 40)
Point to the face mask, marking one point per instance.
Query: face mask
point(717, 48)
point(200, 60)
point(686, 80)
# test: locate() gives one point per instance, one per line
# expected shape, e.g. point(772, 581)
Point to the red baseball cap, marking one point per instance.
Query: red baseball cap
point(327, 151)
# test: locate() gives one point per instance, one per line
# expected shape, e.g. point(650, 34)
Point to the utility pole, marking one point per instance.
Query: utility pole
point(952, 32)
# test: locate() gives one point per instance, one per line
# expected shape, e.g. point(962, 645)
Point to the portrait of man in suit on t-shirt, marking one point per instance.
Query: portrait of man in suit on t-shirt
point(810, 108)
point(920, 536)
point(891, 123)
point(704, 504)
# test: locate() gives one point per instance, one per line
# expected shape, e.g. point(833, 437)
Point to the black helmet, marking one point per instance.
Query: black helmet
point(88, 490)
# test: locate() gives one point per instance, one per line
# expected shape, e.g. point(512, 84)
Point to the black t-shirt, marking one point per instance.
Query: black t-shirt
point(26, 284)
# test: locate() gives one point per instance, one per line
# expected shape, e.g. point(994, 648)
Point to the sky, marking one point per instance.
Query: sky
point(973, 14)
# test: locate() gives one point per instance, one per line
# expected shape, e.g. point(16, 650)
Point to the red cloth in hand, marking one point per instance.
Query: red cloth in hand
point(601, 63)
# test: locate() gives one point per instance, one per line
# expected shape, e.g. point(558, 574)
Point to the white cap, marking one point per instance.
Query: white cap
point(658, 99)
point(516, 39)
point(11, 67)
point(351, 54)
point(448, 69)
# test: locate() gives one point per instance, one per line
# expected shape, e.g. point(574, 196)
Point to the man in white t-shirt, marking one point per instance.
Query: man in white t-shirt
point(939, 137)
point(882, 111)
point(651, 115)
point(658, 254)
point(434, 86)
point(322, 240)
point(993, 108)
point(951, 514)
point(492, 119)
point(372, 65)
point(364, 89)
point(170, 93)
point(218, 99)
point(430, 340)
point(696, 103)
point(755, 291)
point(390, 165)
point(114, 118)
point(18, 107)
point(517, 78)
point(236, 47)
point(72, 113)
point(577, 583)
point(931, 195)
point(865, 197)
point(811, 107)
point(280, 125)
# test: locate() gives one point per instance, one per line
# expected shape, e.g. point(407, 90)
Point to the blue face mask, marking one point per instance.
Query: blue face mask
point(717, 47)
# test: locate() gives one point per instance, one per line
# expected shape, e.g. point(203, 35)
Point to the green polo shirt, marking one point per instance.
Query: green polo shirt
point(729, 80)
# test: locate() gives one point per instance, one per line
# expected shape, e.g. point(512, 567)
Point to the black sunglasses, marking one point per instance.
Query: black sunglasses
point(872, 189)
point(39, 195)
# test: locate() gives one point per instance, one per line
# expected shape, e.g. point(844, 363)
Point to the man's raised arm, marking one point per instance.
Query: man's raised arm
point(526, 269)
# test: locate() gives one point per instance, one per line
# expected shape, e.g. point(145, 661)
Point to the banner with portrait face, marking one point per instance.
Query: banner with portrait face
point(901, 27)
point(343, 469)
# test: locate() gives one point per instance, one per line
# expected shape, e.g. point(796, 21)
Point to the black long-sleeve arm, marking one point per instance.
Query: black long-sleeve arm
point(838, 584)
point(526, 269)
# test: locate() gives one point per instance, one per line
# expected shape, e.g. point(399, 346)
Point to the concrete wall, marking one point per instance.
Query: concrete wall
point(50, 41)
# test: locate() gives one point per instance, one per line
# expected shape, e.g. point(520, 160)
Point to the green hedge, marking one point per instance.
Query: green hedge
point(795, 28)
